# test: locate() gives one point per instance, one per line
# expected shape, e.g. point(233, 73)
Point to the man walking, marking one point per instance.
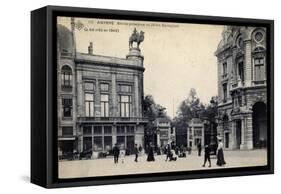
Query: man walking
point(207, 155)
point(116, 152)
point(199, 147)
point(136, 150)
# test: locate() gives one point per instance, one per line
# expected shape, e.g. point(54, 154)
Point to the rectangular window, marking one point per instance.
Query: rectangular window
point(224, 87)
point(67, 131)
point(121, 141)
point(107, 129)
point(108, 143)
point(98, 143)
point(67, 107)
point(164, 134)
point(120, 129)
point(224, 68)
point(87, 130)
point(87, 143)
point(89, 86)
point(125, 105)
point(241, 70)
point(130, 129)
point(89, 105)
point(125, 88)
point(104, 105)
point(104, 87)
point(66, 78)
point(240, 101)
point(197, 132)
point(259, 69)
point(97, 130)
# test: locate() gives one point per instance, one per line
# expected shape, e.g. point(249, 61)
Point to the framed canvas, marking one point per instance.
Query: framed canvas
point(126, 96)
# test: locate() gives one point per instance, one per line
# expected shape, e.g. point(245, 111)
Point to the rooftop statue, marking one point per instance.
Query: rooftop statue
point(137, 37)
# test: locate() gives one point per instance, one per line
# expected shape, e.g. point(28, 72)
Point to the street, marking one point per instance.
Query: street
point(106, 166)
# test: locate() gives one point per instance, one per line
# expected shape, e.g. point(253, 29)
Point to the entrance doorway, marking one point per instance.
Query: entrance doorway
point(226, 136)
point(259, 125)
point(238, 133)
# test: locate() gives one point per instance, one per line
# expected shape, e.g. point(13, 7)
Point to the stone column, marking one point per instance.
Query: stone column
point(114, 135)
point(92, 135)
point(248, 63)
point(80, 98)
point(139, 134)
point(136, 94)
point(243, 134)
point(249, 132)
point(203, 137)
point(114, 95)
point(233, 132)
point(97, 106)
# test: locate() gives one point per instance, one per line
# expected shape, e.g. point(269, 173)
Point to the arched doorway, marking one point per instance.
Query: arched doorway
point(259, 125)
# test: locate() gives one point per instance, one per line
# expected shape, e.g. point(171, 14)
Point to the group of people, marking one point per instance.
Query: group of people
point(121, 153)
point(171, 154)
point(207, 150)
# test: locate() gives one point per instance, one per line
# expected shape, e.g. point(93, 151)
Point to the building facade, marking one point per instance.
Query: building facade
point(165, 132)
point(195, 133)
point(241, 56)
point(99, 98)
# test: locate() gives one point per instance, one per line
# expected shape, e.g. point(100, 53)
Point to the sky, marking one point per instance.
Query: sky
point(177, 56)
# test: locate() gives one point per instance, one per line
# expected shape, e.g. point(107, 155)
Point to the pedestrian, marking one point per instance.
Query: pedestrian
point(140, 148)
point(122, 156)
point(220, 156)
point(136, 150)
point(199, 147)
point(150, 155)
point(207, 155)
point(173, 156)
point(168, 152)
point(116, 152)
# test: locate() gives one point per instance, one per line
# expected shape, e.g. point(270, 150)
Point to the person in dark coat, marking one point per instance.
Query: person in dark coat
point(220, 155)
point(150, 155)
point(199, 147)
point(168, 152)
point(207, 155)
point(136, 150)
point(116, 152)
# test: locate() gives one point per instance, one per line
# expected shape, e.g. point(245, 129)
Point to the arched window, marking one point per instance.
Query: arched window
point(66, 77)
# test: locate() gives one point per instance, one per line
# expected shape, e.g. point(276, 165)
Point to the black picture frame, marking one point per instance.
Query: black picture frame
point(44, 160)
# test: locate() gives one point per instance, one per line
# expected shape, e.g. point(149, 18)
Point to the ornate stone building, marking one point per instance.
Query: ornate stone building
point(195, 133)
point(241, 56)
point(165, 132)
point(99, 98)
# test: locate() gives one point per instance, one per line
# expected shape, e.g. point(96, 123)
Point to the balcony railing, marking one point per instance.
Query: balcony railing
point(259, 82)
point(112, 119)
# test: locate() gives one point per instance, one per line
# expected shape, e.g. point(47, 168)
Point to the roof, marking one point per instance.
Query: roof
point(65, 39)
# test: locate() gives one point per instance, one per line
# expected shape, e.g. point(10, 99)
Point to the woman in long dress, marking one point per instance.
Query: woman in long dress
point(150, 156)
point(220, 156)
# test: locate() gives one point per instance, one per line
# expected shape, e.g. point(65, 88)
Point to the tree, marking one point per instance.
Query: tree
point(189, 108)
point(152, 111)
point(211, 110)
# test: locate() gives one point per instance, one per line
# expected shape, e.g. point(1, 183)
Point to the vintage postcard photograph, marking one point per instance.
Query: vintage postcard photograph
point(142, 97)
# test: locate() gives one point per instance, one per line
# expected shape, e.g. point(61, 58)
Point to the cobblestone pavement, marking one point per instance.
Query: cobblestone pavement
point(106, 166)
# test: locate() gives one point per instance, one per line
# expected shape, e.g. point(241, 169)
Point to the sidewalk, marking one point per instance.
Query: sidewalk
point(106, 166)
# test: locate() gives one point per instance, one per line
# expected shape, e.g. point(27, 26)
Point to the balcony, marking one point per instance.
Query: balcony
point(113, 120)
point(259, 82)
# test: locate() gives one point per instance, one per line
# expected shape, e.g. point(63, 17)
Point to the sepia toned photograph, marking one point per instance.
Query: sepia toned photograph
point(142, 97)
